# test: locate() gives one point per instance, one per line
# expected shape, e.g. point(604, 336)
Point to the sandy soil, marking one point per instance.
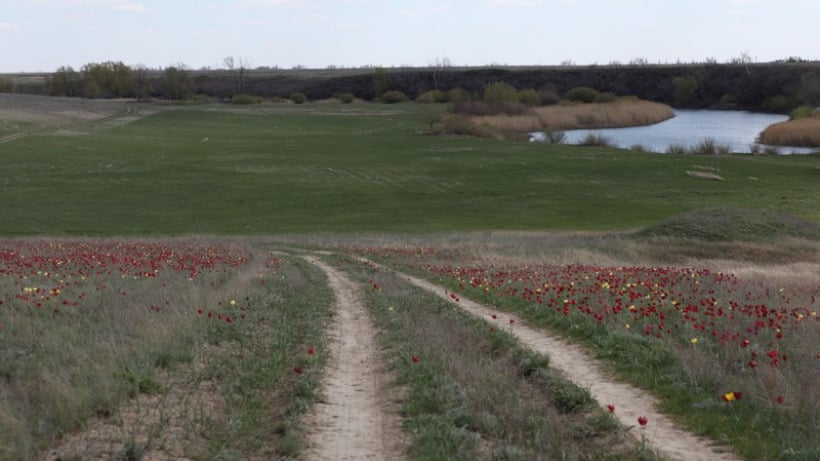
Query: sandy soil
point(660, 433)
point(354, 420)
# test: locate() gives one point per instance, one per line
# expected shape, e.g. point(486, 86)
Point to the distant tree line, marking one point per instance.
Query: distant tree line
point(775, 87)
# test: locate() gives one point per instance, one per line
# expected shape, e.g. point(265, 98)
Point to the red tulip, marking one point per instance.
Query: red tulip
point(611, 408)
point(415, 359)
point(643, 420)
point(310, 350)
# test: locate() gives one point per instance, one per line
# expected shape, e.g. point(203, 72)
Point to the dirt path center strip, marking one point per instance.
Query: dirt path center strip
point(352, 420)
point(579, 367)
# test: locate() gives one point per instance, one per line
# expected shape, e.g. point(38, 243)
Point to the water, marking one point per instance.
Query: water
point(735, 129)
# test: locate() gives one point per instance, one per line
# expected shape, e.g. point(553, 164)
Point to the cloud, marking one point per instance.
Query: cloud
point(8, 27)
point(130, 7)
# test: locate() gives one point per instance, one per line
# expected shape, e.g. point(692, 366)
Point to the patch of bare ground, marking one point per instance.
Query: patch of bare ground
point(354, 420)
point(164, 427)
point(660, 434)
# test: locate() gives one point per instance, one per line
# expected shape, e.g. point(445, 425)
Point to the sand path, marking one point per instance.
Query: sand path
point(353, 420)
point(661, 434)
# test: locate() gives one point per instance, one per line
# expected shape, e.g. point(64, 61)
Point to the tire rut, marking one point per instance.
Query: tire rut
point(353, 420)
point(660, 434)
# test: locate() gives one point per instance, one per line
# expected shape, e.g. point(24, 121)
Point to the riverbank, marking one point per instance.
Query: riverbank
point(803, 132)
point(624, 112)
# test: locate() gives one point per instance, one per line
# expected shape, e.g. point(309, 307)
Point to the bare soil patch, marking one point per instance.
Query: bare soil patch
point(354, 419)
point(660, 434)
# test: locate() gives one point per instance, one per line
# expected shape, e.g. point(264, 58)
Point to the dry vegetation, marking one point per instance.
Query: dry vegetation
point(801, 132)
point(622, 113)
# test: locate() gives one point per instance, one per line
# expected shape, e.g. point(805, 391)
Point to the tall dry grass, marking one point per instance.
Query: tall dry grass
point(621, 113)
point(802, 132)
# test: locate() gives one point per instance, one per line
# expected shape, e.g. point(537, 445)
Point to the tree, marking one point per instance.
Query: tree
point(241, 67)
point(65, 82)
point(107, 79)
point(140, 83)
point(685, 89)
point(381, 82)
point(438, 66)
point(177, 84)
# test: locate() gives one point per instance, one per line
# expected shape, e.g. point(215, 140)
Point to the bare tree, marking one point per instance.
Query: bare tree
point(241, 66)
point(438, 66)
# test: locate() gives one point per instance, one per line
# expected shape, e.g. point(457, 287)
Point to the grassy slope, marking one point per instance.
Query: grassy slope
point(306, 170)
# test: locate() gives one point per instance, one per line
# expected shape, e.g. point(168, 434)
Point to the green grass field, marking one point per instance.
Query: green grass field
point(331, 168)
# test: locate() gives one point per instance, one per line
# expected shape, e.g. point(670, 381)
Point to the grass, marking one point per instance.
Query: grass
point(355, 167)
point(174, 347)
point(472, 393)
point(689, 369)
point(800, 132)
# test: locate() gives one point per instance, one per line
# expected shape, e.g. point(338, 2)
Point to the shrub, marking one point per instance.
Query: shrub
point(432, 96)
point(458, 95)
point(6, 85)
point(798, 113)
point(393, 97)
point(583, 94)
point(595, 139)
point(549, 98)
point(676, 149)
point(500, 93)
point(709, 147)
point(242, 98)
point(778, 103)
point(345, 98)
point(728, 99)
point(637, 148)
point(606, 97)
point(298, 98)
point(555, 137)
point(529, 97)
point(456, 124)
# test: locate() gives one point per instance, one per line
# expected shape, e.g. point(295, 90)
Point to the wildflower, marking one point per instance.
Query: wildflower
point(731, 396)
point(229, 319)
point(415, 359)
point(310, 350)
point(693, 340)
point(752, 364)
point(779, 399)
point(611, 408)
point(643, 420)
point(199, 311)
point(297, 370)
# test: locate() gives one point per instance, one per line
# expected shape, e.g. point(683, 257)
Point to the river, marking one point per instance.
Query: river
point(736, 129)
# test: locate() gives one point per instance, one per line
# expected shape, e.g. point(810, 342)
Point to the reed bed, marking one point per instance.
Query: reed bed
point(621, 113)
point(803, 132)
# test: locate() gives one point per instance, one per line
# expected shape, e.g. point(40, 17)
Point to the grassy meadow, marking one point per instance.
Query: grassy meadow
point(350, 168)
point(144, 288)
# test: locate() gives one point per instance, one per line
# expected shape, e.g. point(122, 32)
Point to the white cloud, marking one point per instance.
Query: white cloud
point(9, 27)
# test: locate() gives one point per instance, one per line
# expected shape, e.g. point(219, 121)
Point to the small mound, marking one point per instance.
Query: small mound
point(728, 224)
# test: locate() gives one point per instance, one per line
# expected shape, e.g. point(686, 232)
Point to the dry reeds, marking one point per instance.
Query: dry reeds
point(802, 132)
point(620, 113)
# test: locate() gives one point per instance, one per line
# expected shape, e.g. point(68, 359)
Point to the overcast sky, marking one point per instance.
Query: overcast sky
point(41, 35)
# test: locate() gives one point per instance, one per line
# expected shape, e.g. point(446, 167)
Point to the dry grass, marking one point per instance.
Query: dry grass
point(621, 113)
point(801, 132)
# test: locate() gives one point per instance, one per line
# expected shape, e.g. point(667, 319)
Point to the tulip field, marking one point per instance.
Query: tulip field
point(738, 360)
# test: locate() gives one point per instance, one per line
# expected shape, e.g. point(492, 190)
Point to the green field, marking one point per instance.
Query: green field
point(348, 168)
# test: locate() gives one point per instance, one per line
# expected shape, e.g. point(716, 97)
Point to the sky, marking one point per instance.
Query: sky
point(42, 35)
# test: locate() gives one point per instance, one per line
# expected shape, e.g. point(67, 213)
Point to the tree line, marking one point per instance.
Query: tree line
point(773, 87)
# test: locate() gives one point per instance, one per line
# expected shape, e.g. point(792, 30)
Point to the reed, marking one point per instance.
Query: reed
point(620, 113)
point(801, 132)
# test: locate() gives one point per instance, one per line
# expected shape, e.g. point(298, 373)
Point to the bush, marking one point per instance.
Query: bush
point(595, 139)
point(529, 97)
point(345, 98)
point(709, 147)
point(583, 94)
point(298, 98)
point(801, 112)
point(549, 98)
point(555, 137)
point(242, 98)
point(6, 85)
point(606, 97)
point(457, 95)
point(778, 103)
point(456, 124)
point(432, 96)
point(676, 149)
point(500, 93)
point(393, 97)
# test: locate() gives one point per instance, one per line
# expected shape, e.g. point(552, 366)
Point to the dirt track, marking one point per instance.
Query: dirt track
point(660, 433)
point(353, 420)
